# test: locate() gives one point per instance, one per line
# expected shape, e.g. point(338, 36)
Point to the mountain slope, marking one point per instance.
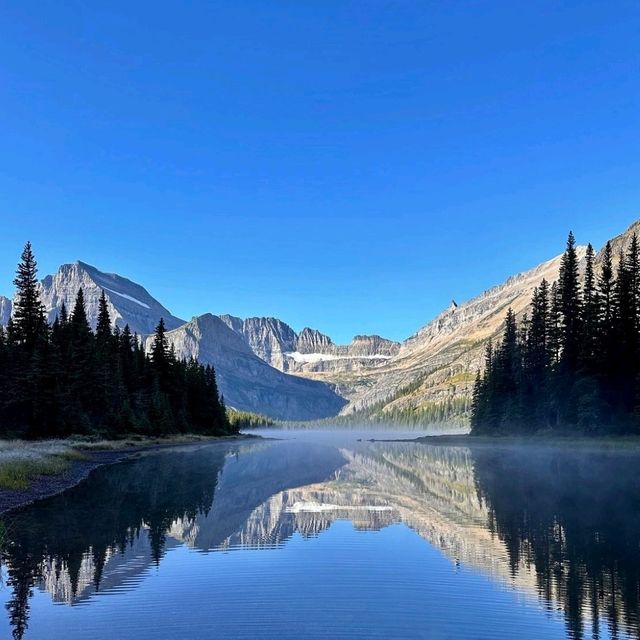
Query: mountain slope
point(269, 338)
point(439, 362)
point(128, 302)
point(246, 381)
point(5, 310)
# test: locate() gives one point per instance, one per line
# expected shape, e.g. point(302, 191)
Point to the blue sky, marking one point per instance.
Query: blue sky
point(352, 166)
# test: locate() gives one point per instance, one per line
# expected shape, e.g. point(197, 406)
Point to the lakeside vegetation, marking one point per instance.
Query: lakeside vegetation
point(248, 420)
point(451, 411)
point(573, 364)
point(65, 379)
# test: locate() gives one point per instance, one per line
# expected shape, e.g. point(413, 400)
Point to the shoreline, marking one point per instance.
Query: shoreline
point(45, 486)
point(627, 442)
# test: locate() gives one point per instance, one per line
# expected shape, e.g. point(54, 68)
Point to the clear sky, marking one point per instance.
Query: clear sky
point(352, 166)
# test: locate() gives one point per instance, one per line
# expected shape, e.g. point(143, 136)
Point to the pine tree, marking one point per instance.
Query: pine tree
point(509, 373)
point(570, 307)
point(160, 354)
point(554, 328)
point(536, 358)
point(590, 323)
point(82, 369)
point(477, 402)
point(28, 315)
point(104, 337)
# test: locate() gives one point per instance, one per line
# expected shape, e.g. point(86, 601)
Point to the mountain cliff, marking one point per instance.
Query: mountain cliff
point(246, 380)
point(310, 351)
point(269, 338)
point(5, 310)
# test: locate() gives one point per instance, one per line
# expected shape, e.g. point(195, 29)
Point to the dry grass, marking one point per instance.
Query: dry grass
point(21, 461)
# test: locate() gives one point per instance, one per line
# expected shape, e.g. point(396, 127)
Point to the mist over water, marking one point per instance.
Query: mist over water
point(323, 533)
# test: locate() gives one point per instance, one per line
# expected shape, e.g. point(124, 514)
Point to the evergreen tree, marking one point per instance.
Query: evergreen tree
point(160, 355)
point(570, 308)
point(576, 362)
point(590, 317)
point(28, 315)
point(554, 329)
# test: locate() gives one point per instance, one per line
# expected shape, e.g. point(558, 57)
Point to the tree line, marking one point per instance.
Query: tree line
point(64, 378)
point(572, 363)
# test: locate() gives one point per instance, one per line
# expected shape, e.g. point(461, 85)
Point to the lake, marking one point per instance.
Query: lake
point(321, 534)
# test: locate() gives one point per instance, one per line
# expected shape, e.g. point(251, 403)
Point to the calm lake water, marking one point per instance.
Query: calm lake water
point(320, 535)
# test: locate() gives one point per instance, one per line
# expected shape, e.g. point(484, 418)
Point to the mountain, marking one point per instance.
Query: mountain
point(310, 351)
point(5, 310)
point(269, 338)
point(371, 376)
point(128, 302)
point(439, 362)
point(247, 381)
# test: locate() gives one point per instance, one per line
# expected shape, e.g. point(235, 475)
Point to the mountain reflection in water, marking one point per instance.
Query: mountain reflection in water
point(559, 528)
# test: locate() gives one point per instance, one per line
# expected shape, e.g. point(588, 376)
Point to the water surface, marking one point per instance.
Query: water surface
point(321, 534)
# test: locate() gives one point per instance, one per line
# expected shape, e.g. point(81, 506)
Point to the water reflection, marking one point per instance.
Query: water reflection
point(574, 518)
point(557, 527)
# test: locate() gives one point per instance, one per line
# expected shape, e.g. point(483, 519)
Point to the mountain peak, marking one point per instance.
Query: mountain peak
point(128, 302)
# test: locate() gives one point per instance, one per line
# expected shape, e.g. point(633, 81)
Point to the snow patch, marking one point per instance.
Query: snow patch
point(321, 357)
point(321, 507)
point(124, 295)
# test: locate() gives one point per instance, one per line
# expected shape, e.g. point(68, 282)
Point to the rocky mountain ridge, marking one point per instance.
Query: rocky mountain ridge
point(247, 381)
point(438, 363)
point(310, 351)
point(371, 376)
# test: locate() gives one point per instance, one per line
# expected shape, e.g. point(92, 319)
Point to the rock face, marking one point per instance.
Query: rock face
point(268, 338)
point(128, 302)
point(310, 351)
point(246, 380)
point(312, 341)
point(5, 310)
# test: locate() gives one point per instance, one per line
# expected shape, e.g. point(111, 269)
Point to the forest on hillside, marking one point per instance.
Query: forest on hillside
point(64, 378)
point(572, 363)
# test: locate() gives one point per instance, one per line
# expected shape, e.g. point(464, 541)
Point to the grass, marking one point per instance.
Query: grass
point(22, 461)
point(16, 474)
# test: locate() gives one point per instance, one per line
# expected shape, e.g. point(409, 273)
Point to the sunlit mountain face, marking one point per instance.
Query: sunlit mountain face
point(533, 530)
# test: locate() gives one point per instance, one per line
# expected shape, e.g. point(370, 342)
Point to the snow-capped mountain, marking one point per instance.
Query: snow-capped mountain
point(128, 302)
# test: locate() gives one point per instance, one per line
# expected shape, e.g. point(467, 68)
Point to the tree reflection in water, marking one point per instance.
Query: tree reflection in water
point(575, 517)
